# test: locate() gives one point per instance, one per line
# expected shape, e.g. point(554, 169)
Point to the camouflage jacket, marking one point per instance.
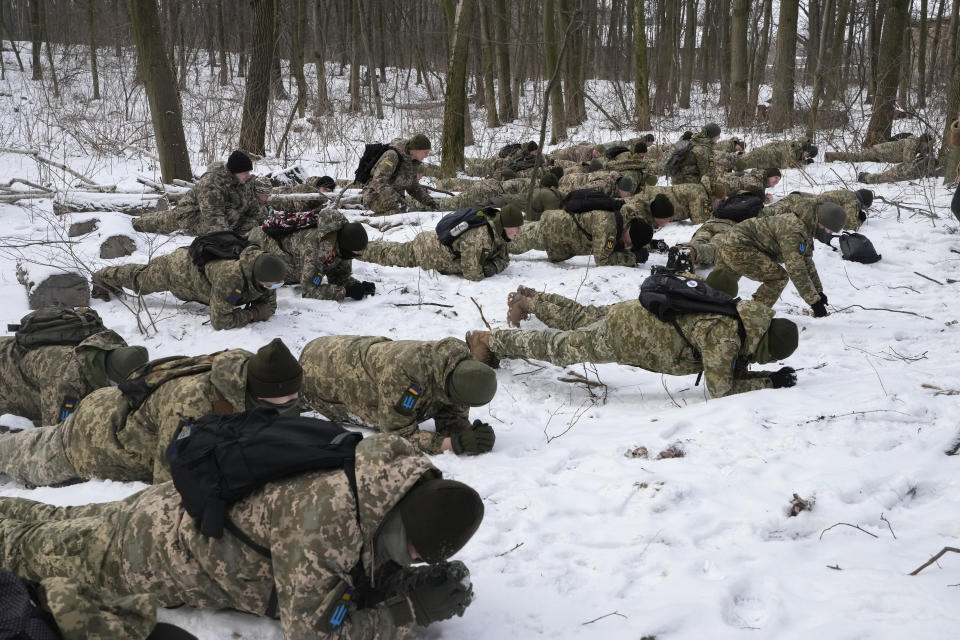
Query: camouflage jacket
point(843, 197)
point(105, 439)
point(598, 234)
point(312, 256)
point(45, 383)
point(787, 238)
point(640, 339)
point(148, 545)
point(904, 150)
point(782, 154)
point(467, 255)
point(299, 204)
point(225, 286)
point(582, 152)
point(605, 181)
point(690, 202)
point(385, 384)
point(699, 165)
point(219, 202)
point(397, 172)
point(752, 182)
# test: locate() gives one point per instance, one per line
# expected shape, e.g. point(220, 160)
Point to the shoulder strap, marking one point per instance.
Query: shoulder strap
point(580, 226)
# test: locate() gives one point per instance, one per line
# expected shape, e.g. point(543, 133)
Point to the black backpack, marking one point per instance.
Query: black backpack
point(508, 149)
point(675, 160)
point(371, 154)
point(456, 223)
point(583, 200)
point(523, 163)
point(857, 248)
point(613, 152)
point(217, 460)
point(20, 616)
point(56, 326)
point(219, 245)
point(739, 207)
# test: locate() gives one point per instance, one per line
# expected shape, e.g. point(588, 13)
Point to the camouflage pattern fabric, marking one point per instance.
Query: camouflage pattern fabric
point(218, 202)
point(698, 166)
point(898, 151)
point(482, 192)
point(44, 383)
point(627, 333)
point(103, 438)
point(726, 161)
point(299, 204)
point(913, 170)
point(782, 154)
point(755, 249)
point(605, 181)
point(843, 197)
point(656, 155)
point(82, 613)
point(395, 173)
point(690, 202)
point(312, 257)
point(632, 165)
point(367, 380)
point(582, 152)
point(558, 312)
point(225, 286)
point(544, 199)
point(752, 182)
point(146, 544)
point(704, 240)
point(557, 233)
point(467, 256)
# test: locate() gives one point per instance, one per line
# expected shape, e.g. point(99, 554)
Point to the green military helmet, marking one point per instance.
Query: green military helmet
point(472, 383)
point(273, 372)
point(440, 516)
point(779, 342)
point(508, 174)
point(122, 361)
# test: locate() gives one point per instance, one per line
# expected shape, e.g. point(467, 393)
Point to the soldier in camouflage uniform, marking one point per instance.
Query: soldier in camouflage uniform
point(487, 191)
point(626, 333)
point(699, 165)
point(519, 160)
point(223, 199)
point(753, 182)
point(854, 203)
point(634, 165)
point(44, 384)
point(107, 437)
point(545, 198)
point(583, 152)
point(784, 154)
point(322, 541)
point(478, 253)
point(690, 201)
point(613, 238)
point(320, 258)
point(394, 386)
point(396, 172)
point(314, 184)
point(592, 177)
point(921, 167)
point(897, 151)
point(755, 248)
point(238, 291)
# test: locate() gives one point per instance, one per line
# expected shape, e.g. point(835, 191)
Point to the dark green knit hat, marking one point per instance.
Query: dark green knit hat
point(724, 280)
point(351, 237)
point(269, 268)
point(120, 362)
point(549, 180)
point(832, 216)
point(511, 216)
point(600, 148)
point(472, 383)
point(508, 174)
point(782, 338)
point(557, 171)
point(440, 516)
point(625, 183)
point(771, 172)
point(864, 197)
point(711, 130)
point(273, 371)
point(595, 165)
point(418, 142)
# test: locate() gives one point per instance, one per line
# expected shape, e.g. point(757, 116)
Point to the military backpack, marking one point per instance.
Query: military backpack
point(583, 200)
point(219, 245)
point(739, 207)
point(456, 223)
point(613, 152)
point(146, 379)
point(675, 160)
point(509, 149)
point(56, 326)
point(371, 155)
point(857, 248)
point(21, 618)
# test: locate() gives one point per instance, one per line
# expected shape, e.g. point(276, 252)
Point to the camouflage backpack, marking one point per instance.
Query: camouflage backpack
point(675, 160)
point(56, 326)
point(144, 381)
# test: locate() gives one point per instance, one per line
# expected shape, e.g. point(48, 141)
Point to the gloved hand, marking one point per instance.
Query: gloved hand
point(355, 290)
point(440, 591)
point(430, 204)
point(369, 288)
point(823, 297)
point(489, 269)
point(260, 312)
point(809, 161)
point(402, 205)
point(785, 377)
point(641, 254)
point(477, 438)
point(659, 246)
point(819, 308)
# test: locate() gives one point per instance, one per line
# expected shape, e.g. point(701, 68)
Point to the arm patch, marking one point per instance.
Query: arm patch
point(234, 296)
point(407, 401)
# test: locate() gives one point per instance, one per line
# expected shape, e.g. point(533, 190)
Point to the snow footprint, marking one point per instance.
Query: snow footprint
point(751, 604)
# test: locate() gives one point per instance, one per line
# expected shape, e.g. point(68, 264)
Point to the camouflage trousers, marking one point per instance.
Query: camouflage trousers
point(704, 242)
point(387, 203)
point(38, 457)
point(587, 343)
point(391, 254)
point(158, 222)
point(558, 312)
point(896, 173)
point(745, 261)
point(139, 278)
point(856, 156)
point(530, 238)
point(70, 551)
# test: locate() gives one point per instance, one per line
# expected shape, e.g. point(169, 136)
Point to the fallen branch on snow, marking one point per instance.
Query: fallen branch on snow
point(933, 559)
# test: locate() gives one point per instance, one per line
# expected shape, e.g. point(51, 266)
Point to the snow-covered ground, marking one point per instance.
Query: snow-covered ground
point(581, 539)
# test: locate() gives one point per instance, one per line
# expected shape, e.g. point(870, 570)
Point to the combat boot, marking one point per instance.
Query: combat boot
point(679, 259)
point(101, 290)
point(479, 343)
point(519, 307)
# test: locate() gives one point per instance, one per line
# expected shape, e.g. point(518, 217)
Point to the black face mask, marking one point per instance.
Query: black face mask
point(288, 408)
point(824, 236)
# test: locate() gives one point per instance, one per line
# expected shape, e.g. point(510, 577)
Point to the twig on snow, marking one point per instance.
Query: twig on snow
point(422, 304)
point(933, 559)
point(928, 278)
point(663, 380)
point(888, 526)
point(480, 309)
point(846, 524)
point(517, 546)
point(911, 313)
point(612, 613)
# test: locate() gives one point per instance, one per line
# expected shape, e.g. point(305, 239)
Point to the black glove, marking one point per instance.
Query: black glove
point(785, 377)
point(369, 288)
point(819, 308)
point(641, 254)
point(430, 204)
point(356, 290)
point(809, 161)
point(823, 298)
point(440, 592)
point(489, 269)
point(659, 246)
point(477, 438)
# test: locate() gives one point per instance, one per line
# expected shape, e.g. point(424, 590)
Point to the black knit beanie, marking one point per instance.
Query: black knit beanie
point(351, 237)
point(440, 516)
point(238, 162)
point(661, 207)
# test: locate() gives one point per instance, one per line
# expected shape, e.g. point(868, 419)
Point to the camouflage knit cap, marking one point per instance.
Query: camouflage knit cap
point(595, 165)
point(725, 281)
point(440, 516)
point(600, 148)
point(864, 197)
point(472, 383)
point(779, 342)
point(711, 130)
point(511, 216)
point(557, 171)
point(832, 216)
point(549, 180)
point(273, 372)
point(625, 183)
point(262, 186)
point(418, 142)
point(122, 361)
point(508, 174)
point(269, 268)
point(771, 172)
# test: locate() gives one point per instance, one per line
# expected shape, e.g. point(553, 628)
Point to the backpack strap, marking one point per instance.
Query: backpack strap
point(580, 226)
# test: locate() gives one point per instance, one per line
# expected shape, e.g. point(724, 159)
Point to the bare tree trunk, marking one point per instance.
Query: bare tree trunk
point(666, 94)
point(905, 68)
point(355, 60)
point(298, 27)
point(814, 25)
point(253, 125)
point(888, 72)
point(92, 34)
point(823, 62)
point(759, 73)
point(221, 44)
point(502, 19)
point(371, 62)
point(922, 57)
point(558, 129)
point(781, 113)
point(455, 103)
point(641, 72)
point(322, 103)
point(935, 49)
point(832, 81)
point(949, 155)
point(160, 84)
point(50, 62)
point(725, 34)
point(5, 29)
point(738, 62)
point(689, 47)
point(36, 38)
point(488, 63)
point(877, 11)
